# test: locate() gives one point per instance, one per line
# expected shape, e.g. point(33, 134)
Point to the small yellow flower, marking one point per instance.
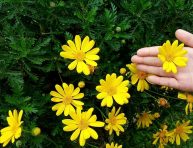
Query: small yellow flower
point(13, 131)
point(189, 98)
point(82, 54)
point(81, 84)
point(123, 71)
point(138, 76)
point(81, 123)
point(115, 121)
point(145, 119)
point(66, 98)
point(161, 136)
point(113, 88)
point(36, 131)
point(172, 56)
point(112, 145)
point(181, 131)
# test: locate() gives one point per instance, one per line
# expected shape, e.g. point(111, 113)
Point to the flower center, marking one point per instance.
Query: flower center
point(179, 130)
point(169, 58)
point(15, 128)
point(83, 124)
point(162, 134)
point(79, 56)
point(113, 120)
point(112, 91)
point(142, 75)
point(67, 100)
point(189, 98)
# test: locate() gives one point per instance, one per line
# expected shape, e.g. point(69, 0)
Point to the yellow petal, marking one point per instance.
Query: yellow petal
point(118, 98)
point(79, 67)
point(68, 49)
point(67, 55)
point(71, 45)
point(60, 89)
point(93, 133)
point(82, 140)
point(85, 68)
point(93, 51)
point(55, 94)
point(78, 42)
point(86, 134)
point(75, 135)
point(177, 139)
point(72, 65)
point(101, 95)
point(88, 46)
point(92, 57)
point(109, 101)
point(91, 62)
point(71, 127)
point(78, 96)
point(85, 42)
point(180, 61)
point(76, 91)
point(97, 124)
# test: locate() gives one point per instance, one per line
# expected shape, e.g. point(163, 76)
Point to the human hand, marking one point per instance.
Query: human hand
point(147, 61)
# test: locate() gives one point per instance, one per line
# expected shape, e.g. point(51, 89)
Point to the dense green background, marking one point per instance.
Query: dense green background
point(31, 35)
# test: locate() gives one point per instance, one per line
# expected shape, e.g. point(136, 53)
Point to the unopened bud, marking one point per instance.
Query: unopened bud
point(36, 131)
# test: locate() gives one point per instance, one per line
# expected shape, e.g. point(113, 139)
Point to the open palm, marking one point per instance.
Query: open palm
point(146, 60)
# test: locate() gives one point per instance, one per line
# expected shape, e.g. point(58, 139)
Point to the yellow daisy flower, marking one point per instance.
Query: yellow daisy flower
point(145, 119)
point(82, 54)
point(112, 145)
point(66, 98)
point(113, 88)
point(161, 136)
point(138, 76)
point(172, 56)
point(115, 121)
point(181, 131)
point(189, 98)
point(81, 122)
point(13, 131)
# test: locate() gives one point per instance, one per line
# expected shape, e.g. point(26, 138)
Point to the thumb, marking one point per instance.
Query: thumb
point(185, 37)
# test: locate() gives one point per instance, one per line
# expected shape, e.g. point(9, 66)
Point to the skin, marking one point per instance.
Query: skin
point(147, 61)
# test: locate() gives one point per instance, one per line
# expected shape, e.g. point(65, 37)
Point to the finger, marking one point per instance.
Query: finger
point(164, 81)
point(185, 37)
point(148, 51)
point(154, 70)
point(153, 61)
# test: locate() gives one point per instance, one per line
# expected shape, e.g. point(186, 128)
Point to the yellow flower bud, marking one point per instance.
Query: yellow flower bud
point(81, 84)
point(156, 115)
point(36, 131)
point(122, 71)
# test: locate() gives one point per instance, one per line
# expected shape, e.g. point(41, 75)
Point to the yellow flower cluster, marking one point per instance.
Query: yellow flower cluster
point(13, 130)
point(180, 132)
point(146, 118)
point(69, 100)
